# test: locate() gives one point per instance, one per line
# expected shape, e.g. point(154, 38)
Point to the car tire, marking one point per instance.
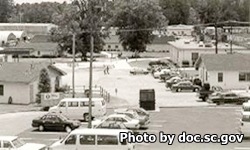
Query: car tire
point(41, 128)
point(196, 89)
point(68, 129)
point(86, 117)
point(178, 89)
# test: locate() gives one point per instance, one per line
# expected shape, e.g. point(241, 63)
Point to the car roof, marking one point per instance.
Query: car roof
point(8, 138)
point(117, 115)
point(80, 99)
point(98, 131)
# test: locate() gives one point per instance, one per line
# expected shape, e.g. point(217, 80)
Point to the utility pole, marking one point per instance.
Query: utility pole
point(231, 42)
point(90, 79)
point(216, 39)
point(73, 66)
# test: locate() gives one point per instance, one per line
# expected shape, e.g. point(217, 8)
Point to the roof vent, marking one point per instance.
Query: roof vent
point(186, 42)
point(201, 44)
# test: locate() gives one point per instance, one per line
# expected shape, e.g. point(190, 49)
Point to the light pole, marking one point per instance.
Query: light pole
point(73, 66)
point(90, 79)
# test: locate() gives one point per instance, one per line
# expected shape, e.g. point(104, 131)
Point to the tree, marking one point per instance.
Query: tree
point(176, 11)
point(81, 18)
point(44, 84)
point(135, 21)
point(6, 8)
point(34, 13)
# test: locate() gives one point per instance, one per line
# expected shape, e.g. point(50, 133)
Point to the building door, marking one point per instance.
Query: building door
point(194, 57)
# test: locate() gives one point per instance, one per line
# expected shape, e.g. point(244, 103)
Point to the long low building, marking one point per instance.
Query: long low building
point(29, 28)
point(185, 52)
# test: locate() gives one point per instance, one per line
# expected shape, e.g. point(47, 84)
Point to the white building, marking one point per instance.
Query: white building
point(185, 52)
point(176, 30)
point(19, 81)
point(230, 71)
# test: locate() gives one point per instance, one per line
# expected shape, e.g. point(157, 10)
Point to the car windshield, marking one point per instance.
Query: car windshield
point(18, 143)
point(64, 118)
point(127, 118)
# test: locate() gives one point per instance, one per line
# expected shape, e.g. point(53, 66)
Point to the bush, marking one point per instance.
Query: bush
point(152, 63)
point(63, 89)
point(48, 56)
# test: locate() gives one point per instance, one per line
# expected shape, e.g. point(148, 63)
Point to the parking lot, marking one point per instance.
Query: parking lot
point(175, 112)
point(198, 120)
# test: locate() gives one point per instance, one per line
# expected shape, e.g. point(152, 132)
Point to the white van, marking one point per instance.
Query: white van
point(245, 123)
point(78, 108)
point(93, 139)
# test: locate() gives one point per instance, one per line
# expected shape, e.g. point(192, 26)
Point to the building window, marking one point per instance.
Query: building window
point(38, 53)
point(1, 90)
point(109, 46)
point(116, 46)
point(220, 77)
point(244, 76)
point(206, 75)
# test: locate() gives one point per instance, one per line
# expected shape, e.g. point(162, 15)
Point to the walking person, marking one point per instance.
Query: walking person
point(104, 70)
point(116, 91)
point(107, 70)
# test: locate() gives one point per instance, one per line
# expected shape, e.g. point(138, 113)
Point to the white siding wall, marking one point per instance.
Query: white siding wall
point(230, 80)
point(158, 47)
point(18, 91)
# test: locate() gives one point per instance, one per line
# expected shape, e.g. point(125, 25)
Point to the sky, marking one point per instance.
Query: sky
point(39, 1)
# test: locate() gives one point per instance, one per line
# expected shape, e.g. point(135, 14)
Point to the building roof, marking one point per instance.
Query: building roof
point(41, 38)
point(24, 72)
point(6, 35)
point(225, 62)
point(14, 50)
point(189, 44)
point(180, 27)
point(113, 39)
point(48, 46)
point(162, 39)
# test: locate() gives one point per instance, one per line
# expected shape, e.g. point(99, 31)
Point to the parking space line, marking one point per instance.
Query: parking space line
point(49, 133)
point(156, 125)
point(146, 144)
point(158, 121)
point(154, 131)
point(242, 148)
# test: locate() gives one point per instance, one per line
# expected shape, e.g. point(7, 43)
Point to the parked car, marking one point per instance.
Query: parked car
point(143, 120)
point(185, 86)
point(15, 143)
point(111, 125)
point(162, 71)
point(140, 111)
point(136, 70)
point(172, 81)
point(226, 97)
point(55, 121)
point(130, 123)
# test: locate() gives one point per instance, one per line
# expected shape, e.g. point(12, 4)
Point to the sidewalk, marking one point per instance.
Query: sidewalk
point(11, 108)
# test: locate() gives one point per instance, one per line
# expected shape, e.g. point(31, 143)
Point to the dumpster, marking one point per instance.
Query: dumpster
point(147, 99)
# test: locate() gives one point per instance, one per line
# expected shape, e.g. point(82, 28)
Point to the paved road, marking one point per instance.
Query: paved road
point(193, 120)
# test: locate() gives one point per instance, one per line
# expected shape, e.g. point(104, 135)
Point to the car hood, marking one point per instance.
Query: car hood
point(51, 109)
point(32, 146)
point(135, 121)
point(96, 122)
